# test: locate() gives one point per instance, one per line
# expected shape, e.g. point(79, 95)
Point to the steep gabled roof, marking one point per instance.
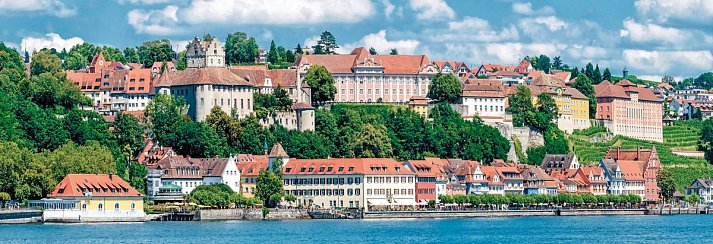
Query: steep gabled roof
point(96, 185)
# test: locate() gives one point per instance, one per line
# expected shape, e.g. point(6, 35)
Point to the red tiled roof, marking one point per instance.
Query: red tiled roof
point(277, 151)
point(623, 89)
point(343, 63)
point(252, 168)
point(298, 106)
point(201, 76)
point(177, 167)
point(631, 170)
point(368, 166)
point(98, 185)
point(484, 88)
point(85, 81)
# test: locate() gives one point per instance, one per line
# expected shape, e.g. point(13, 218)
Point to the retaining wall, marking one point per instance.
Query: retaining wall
point(498, 213)
point(249, 214)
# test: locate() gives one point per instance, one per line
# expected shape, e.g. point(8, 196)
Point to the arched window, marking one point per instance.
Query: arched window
point(133, 206)
point(101, 207)
point(116, 206)
point(84, 207)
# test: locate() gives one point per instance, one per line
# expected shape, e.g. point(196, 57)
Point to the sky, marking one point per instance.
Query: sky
point(651, 38)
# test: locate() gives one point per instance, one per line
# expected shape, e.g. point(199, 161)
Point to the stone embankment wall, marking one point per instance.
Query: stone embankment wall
point(508, 213)
point(249, 214)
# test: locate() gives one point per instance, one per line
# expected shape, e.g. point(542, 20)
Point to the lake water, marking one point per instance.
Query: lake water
point(600, 229)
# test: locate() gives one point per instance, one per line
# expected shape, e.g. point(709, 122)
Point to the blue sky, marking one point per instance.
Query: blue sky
point(650, 37)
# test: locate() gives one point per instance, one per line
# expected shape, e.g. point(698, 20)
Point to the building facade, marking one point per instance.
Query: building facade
point(365, 183)
point(93, 197)
point(485, 99)
point(189, 173)
point(204, 53)
point(632, 172)
point(572, 105)
point(628, 110)
point(703, 188)
point(362, 77)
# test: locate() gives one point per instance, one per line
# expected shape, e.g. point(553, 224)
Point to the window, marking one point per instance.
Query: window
point(101, 207)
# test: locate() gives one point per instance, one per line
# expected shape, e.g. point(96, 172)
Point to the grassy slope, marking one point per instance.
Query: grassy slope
point(682, 136)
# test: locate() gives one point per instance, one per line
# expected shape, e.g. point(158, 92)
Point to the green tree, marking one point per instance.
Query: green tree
point(520, 105)
point(155, 51)
point(239, 48)
point(45, 62)
point(164, 112)
point(198, 139)
point(394, 51)
point(597, 75)
point(74, 61)
point(291, 199)
point(706, 136)
point(12, 68)
point(372, 142)
point(557, 62)
point(272, 54)
point(693, 199)
point(584, 85)
point(575, 72)
point(112, 54)
point(218, 195)
point(284, 102)
point(182, 62)
point(704, 80)
point(84, 126)
point(269, 188)
point(225, 126)
point(372, 51)
point(298, 50)
point(131, 55)
point(321, 82)
point(128, 131)
point(543, 63)
point(666, 183)
point(87, 50)
point(589, 72)
point(606, 75)
point(326, 44)
point(445, 87)
point(4, 198)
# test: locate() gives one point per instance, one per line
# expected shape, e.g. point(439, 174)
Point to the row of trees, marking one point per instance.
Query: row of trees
point(707, 139)
point(220, 196)
point(526, 200)
point(80, 55)
point(39, 118)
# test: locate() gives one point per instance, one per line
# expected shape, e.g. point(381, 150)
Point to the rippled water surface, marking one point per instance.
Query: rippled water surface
point(603, 229)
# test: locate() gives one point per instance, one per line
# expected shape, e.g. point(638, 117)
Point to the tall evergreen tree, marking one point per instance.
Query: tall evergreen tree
point(327, 43)
point(272, 54)
point(589, 72)
point(606, 75)
point(299, 50)
point(575, 72)
point(597, 75)
point(394, 51)
point(372, 51)
point(557, 63)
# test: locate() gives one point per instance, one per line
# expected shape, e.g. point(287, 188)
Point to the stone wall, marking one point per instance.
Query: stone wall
point(528, 137)
point(500, 213)
point(249, 214)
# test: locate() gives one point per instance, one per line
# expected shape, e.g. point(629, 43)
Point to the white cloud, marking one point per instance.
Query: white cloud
point(382, 45)
point(673, 37)
point(532, 25)
point(173, 19)
point(526, 9)
point(586, 52)
point(471, 29)
point(155, 22)
point(663, 62)
point(50, 7)
point(432, 9)
point(388, 8)
point(144, 1)
point(277, 12)
point(51, 40)
point(699, 11)
point(311, 41)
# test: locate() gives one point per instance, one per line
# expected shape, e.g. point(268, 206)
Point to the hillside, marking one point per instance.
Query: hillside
point(682, 136)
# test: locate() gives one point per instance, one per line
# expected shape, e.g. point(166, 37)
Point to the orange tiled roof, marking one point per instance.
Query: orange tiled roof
point(631, 170)
point(368, 166)
point(344, 63)
point(98, 185)
point(251, 165)
point(201, 76)
point(623, 89)
point(484, 88)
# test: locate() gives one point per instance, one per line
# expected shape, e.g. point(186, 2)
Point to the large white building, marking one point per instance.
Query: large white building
point(189, 173)
point(703, 188)
point(362, 77)
point(366, 183)
point(205, 53)
point(485, 99)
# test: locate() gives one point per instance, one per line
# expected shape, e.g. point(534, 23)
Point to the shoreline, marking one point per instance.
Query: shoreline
point(227, 215)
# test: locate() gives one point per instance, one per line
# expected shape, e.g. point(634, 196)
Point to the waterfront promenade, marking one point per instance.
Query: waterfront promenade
point(618, 229)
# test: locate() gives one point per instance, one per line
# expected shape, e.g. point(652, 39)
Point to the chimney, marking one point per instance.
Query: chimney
point(110, 176)
point(618, 153)
point(638, 153)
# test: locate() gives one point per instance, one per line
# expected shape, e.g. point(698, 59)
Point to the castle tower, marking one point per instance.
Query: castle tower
point(277, 152)
point(200, 53)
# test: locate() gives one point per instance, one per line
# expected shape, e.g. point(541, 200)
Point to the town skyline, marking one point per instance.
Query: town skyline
point(644, 36)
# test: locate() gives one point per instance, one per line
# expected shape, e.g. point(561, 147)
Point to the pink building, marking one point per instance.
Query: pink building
point(362, 77)
point(628, 110)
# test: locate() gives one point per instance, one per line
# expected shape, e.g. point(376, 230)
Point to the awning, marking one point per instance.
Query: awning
point(378, 202)
point(405, 202)
point(423, 203)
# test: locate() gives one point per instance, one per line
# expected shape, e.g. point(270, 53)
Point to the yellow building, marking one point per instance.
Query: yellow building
point(419, 105)
point(93, 198)
point(572, 105)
